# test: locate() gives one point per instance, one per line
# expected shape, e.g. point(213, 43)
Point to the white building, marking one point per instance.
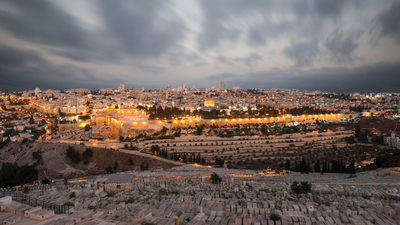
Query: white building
point(121, 88)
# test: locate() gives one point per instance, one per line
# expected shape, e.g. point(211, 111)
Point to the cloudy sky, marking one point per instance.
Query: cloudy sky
point(342, 46)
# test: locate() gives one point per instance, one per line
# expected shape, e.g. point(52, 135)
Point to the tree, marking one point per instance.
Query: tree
point(199, 130)
point(357, 131)
point(115, 165)
point(130, 161)
point(301, 188)
point(317, 166)
point(87, 127)
point(275, 217)
point(144, 166)
point(295, 188)
point(155, 149)
point(73, 155)
point(215, 178)
point(45, 181)
point(352, 168)
point(305, 187)
point(109, 169)
point(287, 165)
point(31, 120)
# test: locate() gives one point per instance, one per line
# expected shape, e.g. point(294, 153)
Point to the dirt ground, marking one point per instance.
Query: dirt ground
point(56, 165)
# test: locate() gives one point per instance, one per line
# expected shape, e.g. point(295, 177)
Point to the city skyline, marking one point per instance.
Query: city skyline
point(336, 46)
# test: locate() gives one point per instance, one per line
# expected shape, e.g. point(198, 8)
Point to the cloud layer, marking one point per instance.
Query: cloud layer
point(96, 44)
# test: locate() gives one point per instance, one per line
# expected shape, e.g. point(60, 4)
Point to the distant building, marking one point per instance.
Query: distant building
point(121, 88)
point(183, 86)
point(209, 102)
point(37, 91)
point(220, 87)
point(119, 182)
point(392, 141)
point(80, 91)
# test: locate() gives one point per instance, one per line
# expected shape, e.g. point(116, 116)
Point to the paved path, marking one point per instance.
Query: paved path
point(132, 152)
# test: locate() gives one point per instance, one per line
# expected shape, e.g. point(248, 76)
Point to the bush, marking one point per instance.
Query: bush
point(215, 178)
point(130, 161)
point(45, 181)
point(25, 190)
point(301, 188)
point(110, 194)
point(109, 169)
point(72, 195)
point(69, 203)
point(115, 165)
point(275, 217)
point(130, 200)
point(87, 127)
point(144, 166)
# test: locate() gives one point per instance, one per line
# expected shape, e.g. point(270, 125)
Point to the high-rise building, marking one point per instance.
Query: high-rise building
point(183, 86)
point(222, 85)
point(121, 88)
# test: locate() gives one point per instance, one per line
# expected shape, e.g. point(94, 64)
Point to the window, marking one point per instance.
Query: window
point(118, 186)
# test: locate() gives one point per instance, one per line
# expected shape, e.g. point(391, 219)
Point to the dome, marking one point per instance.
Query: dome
point(209, 102)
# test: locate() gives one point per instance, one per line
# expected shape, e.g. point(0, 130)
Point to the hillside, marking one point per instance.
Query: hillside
point(56, 165)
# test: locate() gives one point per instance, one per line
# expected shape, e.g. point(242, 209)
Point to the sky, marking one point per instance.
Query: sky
point(339, 46)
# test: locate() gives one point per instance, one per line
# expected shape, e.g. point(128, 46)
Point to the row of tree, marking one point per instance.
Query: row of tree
point(338, 166)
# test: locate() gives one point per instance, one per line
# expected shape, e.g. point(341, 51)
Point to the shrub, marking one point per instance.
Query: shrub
point(301, 188)
point(109, 169)
point(69, 203)
point(130, 200)
point(144, 166)
point(215, 178)
point(130, 161)
point(72, 195)
point(45, 181)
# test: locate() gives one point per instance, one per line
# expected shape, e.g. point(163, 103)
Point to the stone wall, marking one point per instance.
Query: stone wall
point(115, 187)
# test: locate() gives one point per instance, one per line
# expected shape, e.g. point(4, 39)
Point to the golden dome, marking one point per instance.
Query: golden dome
point(209, 102)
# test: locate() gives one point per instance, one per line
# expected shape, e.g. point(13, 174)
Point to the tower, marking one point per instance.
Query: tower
point(121, 88)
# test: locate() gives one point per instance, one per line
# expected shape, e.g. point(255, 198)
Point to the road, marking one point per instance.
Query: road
point(150, 156)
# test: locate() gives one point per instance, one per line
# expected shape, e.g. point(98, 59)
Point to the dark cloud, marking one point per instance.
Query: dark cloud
point(43, 22)
point(342, 46)
point(12, 58)
point(239, 61)
point(136, 29)
point(389, 22)
point(303, 53)
point(27, 70)
point(378, 77)
point(151, 36)
point(142, 28)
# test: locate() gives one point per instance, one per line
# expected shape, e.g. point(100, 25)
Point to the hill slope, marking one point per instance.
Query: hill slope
point(55, 164)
